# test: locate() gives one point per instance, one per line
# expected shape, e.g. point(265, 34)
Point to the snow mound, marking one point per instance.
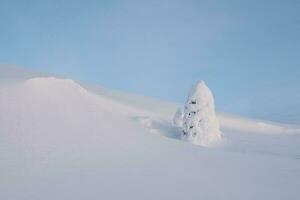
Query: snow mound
point(51, 85)
point(48, 106)
point(60, 140)
point(69, 92)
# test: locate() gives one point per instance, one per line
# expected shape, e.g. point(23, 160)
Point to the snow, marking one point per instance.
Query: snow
point(200, 124)
point(60, 140)
point(178, 117)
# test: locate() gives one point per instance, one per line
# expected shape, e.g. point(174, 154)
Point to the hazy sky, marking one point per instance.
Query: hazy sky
point(248, 52)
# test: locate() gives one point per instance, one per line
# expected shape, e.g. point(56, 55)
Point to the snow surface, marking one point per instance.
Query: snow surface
point(178, 117)
point(60, 140)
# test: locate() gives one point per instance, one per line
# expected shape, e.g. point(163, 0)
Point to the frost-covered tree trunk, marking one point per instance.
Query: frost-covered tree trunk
point(200, 124)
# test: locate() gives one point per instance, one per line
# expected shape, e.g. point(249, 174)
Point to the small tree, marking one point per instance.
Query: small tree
point(200, 124)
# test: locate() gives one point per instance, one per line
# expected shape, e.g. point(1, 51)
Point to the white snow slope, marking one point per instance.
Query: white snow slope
point(59, 140)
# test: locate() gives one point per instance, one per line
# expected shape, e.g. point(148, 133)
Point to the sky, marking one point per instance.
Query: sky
point(248, 52)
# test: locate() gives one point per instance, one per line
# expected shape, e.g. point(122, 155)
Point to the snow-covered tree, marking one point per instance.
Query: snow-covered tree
point(200, 124)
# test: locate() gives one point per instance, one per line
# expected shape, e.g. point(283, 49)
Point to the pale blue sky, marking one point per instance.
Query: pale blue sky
point(248, 52)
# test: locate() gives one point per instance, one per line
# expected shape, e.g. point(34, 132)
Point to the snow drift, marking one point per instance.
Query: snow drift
point(60, 140)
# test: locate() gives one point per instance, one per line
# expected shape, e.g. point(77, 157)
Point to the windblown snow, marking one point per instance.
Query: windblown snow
point(61, 141)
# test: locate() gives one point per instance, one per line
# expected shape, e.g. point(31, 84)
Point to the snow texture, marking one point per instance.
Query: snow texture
point(178, 117)
point(200, 124)
point(60, 140)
